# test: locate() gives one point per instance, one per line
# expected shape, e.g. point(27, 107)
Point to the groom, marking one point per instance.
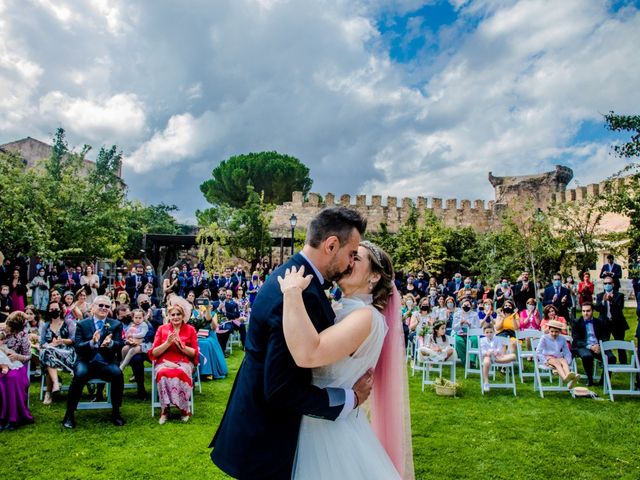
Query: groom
point(258, 434)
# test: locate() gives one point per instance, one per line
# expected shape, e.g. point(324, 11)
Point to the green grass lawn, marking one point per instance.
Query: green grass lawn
point(497, 436)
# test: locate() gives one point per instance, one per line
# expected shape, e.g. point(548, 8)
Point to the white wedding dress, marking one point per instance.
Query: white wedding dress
point(346, 448)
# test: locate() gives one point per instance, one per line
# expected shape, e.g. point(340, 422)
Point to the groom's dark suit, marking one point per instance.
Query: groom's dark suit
point(258, 434)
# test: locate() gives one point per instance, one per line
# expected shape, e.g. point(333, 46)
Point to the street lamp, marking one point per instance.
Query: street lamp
point(293, 220)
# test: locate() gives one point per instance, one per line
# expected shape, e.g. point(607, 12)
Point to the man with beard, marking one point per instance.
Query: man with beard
point(271, 393)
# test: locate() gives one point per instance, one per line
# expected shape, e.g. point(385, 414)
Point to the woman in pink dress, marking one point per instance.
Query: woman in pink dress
point(175, 353)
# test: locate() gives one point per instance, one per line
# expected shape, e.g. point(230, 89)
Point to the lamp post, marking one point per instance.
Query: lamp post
point(293, 220)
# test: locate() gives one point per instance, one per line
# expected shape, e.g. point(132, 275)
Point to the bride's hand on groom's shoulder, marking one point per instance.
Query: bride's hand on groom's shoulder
point(294, 279)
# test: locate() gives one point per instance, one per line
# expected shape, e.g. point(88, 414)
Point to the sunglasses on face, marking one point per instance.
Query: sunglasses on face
point(102, 305)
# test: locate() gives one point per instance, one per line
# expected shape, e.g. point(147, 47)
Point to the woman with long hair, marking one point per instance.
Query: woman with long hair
point(367, 333)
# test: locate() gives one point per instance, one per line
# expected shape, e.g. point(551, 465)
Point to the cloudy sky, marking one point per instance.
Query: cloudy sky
point(396, 97)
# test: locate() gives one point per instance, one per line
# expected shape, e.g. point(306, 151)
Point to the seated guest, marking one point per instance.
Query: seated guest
point(81, 303)
point(464, 318)
point(56, 352)
point(587, 334)
point(551, 313)
point(175, 351)
point(492, 351)
point(508, 321)
point(213, 364)
point(134, 335)
point(98, 341)
point(14, 385)
point(421, 320)
point(486, 313)
point(554, 352)
point(530, 316)
point(436, 345)
point(467, 291)
point(245, 309)
point(230, 310)
point(70, 311)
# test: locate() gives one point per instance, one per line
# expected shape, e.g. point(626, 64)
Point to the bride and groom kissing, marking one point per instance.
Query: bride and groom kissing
point(294, 409)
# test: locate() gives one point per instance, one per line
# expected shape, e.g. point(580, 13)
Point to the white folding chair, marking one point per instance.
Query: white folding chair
point(409, 351)
point(471, 350)
point(509, 370)
point(417, 365)
point(436, 367)
point(632, 368)
point(541, 369)
point(525, 352)
point(155, 399)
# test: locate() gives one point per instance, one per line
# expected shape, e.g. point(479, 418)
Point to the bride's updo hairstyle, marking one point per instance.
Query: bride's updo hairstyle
point(380, 263)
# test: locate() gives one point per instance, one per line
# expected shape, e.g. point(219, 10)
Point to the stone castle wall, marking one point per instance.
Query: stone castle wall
point(543, 189)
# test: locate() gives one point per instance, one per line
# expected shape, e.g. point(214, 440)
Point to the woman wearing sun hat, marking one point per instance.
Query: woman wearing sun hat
point(554, 352)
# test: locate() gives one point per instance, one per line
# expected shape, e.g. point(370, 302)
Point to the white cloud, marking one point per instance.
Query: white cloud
point(120, 116)
point(180, 89)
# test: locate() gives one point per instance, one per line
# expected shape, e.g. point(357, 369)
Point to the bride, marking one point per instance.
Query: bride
point(362, 338)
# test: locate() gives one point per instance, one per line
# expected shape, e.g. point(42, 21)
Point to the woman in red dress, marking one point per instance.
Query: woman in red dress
point(175, 353)
point(585, 289)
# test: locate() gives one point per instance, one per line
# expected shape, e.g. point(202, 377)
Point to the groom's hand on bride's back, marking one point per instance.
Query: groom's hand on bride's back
point(362, 387)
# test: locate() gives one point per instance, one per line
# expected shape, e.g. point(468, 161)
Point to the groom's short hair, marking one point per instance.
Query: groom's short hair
point(338, 221)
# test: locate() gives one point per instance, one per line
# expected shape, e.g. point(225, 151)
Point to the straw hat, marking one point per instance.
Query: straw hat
point(555, 324)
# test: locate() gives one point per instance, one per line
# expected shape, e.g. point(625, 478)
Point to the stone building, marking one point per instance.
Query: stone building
point(33, 151)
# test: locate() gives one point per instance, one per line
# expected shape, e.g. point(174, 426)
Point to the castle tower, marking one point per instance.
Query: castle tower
point(539, 188)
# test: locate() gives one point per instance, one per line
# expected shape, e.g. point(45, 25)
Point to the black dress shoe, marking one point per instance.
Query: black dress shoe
point(590, 383)
point(143, 395)
point(69, 422)
point(117, 420)
point(10, 426)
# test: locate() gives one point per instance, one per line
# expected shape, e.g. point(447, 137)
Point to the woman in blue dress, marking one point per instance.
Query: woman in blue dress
point(212, 362)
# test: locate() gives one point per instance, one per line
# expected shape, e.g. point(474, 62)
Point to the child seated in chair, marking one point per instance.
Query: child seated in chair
point(492, 350)
point(134, 338)
point(437, 347)
point(553, 352)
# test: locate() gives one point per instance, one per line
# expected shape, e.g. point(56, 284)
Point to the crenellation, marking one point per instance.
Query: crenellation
point(297, 199)
point(329, 199)
point(543, 189)
point(313, 199)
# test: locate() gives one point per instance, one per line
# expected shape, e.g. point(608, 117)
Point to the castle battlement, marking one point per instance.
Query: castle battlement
point(542, 189)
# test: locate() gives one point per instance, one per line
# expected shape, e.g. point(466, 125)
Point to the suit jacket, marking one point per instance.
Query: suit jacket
point(562, 308)
point(616, 271)
point(271, 393)
point(617, 322)
point(200, 285)
point(579, 332)
point(135, 286)
point(521, 296)
point(84, 334)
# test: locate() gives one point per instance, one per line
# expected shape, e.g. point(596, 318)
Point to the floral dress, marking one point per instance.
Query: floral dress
point(61, 357)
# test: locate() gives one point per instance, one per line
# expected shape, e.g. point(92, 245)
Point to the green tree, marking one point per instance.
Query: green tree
point(140, 219)
point(241, 232)
point(623, 192)
point(274, 174)
point(418, 245)
point(25, 227)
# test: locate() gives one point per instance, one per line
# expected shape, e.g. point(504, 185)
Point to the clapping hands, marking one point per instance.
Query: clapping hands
point(294, 279)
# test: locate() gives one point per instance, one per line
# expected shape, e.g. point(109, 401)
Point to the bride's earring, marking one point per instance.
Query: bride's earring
point(370, 285)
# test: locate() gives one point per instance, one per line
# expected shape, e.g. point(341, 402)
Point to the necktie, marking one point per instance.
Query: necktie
point(100, 324)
